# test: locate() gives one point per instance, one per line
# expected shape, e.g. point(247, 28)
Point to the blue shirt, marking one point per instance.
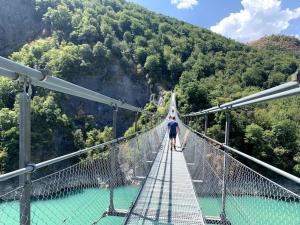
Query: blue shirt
point(172, 126)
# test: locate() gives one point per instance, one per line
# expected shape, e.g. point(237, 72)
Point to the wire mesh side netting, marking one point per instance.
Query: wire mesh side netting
point(136, 156)
point(250, 197)
point(80, 194)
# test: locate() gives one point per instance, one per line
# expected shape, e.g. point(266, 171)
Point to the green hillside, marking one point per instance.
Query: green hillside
point(83, 38)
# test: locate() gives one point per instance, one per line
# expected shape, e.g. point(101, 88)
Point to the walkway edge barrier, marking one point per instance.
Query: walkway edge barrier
point(32, 167)
point(264, 164)
point(143, 184)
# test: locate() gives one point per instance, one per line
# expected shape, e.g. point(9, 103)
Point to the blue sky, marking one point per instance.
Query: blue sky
point(242, 20)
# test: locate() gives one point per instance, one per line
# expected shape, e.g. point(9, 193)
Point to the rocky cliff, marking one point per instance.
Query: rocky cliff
point(119, 85)
point(18, 24)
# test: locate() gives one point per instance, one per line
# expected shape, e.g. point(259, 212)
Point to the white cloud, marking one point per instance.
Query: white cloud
point(258, 18)
point(297, 36)
point(184, 4)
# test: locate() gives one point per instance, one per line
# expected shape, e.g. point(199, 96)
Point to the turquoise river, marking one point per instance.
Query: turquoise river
point(64, 210)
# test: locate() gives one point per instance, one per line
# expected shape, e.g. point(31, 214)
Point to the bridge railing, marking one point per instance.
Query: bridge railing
point(80, 194)
point(240, 195)
point(81, 187)
point(250, 198)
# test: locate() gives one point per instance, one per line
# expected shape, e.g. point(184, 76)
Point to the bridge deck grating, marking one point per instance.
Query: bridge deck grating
point(167, 196)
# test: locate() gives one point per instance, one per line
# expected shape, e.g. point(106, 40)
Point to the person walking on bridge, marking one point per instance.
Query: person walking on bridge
point(173, 131)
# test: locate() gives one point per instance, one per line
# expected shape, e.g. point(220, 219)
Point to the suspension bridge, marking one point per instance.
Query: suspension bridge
point(139, 179)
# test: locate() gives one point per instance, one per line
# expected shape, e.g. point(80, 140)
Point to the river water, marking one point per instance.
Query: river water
point(72, 209)
point(244, 210)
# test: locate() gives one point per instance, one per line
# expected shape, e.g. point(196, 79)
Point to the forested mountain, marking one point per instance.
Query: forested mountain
point(93, 39)
point(281, 43)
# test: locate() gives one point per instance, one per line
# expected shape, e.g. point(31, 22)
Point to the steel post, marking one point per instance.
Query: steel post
point(146, 158)
point(24, 153)
point(194, 148)
point(224, 183)
point(205, 124)
point(113, 163)
point(203, 159)
point(134, 153)
point(151, 121)
point(204, 146)
point(135, 121)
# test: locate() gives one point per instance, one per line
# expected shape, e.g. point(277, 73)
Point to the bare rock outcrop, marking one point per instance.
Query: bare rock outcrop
point(18, 24)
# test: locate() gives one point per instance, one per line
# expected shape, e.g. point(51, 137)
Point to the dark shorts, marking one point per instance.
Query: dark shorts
point(172, 135)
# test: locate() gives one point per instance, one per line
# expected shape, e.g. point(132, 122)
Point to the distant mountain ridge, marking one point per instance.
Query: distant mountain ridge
point(282, 43)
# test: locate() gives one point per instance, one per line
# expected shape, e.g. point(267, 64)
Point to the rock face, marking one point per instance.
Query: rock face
point(18, 24)
point(119, 85)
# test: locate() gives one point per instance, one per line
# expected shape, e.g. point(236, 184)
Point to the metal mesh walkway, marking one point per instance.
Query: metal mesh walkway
point(168, 196)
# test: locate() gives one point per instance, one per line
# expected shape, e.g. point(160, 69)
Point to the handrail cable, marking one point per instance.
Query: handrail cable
point(13, 70)
point(285, 90)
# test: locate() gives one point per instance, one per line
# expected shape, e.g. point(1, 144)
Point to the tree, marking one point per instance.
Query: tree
point(78, 139)
point(254, 134)
point(64, 61)
point(137, 28)
point(140, 41)
point(285, 132)
point(216, 132)
point(275, 79)
point(8, 92)
point(140, 55)
point(124, 23)
point(9, 140)
point(254, 77)
point(165, 27)
point(59, 18)
point(196, 95)
point(86, 33)
point(127, 37)
point(96, 137)
point(100, 54)
point(153, 67)
point(175, 67)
